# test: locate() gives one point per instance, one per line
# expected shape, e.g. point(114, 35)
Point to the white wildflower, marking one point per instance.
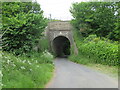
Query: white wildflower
point(6, 57)
point(24, 61)
point(8, 61)
point(37, 65)
point(13, 65)
point(22, 67)
point(29, 62)
point(47, 54)
point(30, 69)
point(1, 73)
point(1, 84)
point(36, 61)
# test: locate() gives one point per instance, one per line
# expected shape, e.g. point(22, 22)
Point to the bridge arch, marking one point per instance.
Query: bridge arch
point(61, 46)
point(60, 31)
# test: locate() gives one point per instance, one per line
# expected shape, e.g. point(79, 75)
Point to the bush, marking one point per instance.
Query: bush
point(105, 52)
point(98, 50)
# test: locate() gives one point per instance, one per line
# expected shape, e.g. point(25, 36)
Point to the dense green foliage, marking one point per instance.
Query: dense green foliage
point(100, 18)
point(23, 23)
point(104, 51)
point(31, 70)
point(95, 24)
point(96, 50)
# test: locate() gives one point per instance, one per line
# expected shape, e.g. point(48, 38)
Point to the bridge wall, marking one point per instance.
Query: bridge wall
point(59, 28)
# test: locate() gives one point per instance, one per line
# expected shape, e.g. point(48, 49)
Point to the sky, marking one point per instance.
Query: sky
point(59, 9)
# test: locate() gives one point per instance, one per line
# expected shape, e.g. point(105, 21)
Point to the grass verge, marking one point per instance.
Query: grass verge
point(111, 71)
point(32, 70)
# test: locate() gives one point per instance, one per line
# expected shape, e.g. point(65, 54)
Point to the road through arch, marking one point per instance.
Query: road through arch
point(61, 46)
point(60, 38)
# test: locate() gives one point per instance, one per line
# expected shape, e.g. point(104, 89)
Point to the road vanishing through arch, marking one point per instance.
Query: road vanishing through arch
point(61, 46)
point(59, 32)
point(71, 75)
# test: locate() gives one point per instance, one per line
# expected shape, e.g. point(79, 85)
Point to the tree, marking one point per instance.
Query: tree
point(95, 18)
point(115, 34)
point(23, 23)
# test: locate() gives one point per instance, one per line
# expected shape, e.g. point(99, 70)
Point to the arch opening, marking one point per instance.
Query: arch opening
point(61, 46)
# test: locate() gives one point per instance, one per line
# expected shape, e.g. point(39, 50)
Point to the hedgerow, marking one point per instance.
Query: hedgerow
point(103, 51)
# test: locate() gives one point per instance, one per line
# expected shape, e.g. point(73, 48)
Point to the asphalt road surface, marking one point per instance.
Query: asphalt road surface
point(71, 75)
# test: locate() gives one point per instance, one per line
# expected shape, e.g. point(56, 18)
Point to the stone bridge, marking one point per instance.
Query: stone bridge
point(60, 37)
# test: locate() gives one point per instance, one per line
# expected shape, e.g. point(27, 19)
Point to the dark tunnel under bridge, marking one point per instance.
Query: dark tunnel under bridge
point(61, 46)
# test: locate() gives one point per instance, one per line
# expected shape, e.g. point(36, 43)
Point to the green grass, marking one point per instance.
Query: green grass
point(112, 71)
point(32, 70)
point(0, 70)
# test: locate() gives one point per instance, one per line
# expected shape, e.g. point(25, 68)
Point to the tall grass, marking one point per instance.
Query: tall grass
point(31, 70)
point(43, 43)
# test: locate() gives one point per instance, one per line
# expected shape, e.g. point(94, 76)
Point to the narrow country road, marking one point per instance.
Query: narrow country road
point(72, 75)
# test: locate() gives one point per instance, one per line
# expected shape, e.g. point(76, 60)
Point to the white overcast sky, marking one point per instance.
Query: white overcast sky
point(59, 9)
